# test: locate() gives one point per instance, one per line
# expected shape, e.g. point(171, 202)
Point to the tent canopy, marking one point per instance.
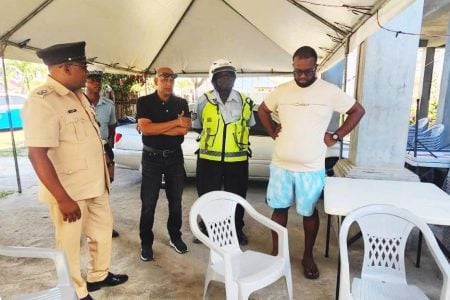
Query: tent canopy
point(259, 36)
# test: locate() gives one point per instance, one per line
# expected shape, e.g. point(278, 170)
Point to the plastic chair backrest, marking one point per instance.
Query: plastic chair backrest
point(437, 130)
point(385, 230)
point(385, 239)
point(218, 215)
point(421, 126)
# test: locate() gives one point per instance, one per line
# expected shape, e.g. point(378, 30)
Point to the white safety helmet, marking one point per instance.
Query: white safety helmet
point(221, 65)
point(95, 70)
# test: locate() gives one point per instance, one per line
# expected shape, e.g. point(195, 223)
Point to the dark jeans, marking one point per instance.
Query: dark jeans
point(231, 176)
point(153, 167)
point(109, 151)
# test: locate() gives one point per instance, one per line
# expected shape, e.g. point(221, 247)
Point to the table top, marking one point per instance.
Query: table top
point(342, 195)
point(425, 159)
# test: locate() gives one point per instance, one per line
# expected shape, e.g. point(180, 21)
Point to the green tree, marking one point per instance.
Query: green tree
point(124, 86)
point(23, 76)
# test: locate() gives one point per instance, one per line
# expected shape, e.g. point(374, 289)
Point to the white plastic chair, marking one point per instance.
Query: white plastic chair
point(441, 232)
point(242, 272)
point(385, 230)
point(432, 138)
point(422, 125)
point(64, 288)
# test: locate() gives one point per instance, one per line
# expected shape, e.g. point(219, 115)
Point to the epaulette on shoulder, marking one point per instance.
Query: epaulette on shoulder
point(43, 90)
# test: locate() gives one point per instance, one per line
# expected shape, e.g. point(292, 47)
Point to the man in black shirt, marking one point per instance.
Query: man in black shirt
point(163, 120)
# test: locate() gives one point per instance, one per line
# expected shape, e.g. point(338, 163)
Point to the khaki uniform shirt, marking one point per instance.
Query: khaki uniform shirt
point(63, 121)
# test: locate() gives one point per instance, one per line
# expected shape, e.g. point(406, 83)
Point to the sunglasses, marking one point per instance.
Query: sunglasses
point(307, 73)
point(167, 75)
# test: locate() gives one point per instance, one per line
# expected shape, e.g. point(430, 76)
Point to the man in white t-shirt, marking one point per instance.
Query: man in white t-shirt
point(297, 172)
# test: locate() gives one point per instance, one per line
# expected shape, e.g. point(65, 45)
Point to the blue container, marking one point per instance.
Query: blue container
point(16, 103)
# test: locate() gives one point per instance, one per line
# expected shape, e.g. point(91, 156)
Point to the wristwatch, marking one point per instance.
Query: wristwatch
point(335, 137)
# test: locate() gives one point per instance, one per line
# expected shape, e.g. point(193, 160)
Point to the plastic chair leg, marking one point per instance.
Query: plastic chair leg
point(288, 278)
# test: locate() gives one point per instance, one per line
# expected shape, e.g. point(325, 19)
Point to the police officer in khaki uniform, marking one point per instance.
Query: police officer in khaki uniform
point(67, 154)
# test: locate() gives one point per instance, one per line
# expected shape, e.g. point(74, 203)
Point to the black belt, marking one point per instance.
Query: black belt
point(163, 153)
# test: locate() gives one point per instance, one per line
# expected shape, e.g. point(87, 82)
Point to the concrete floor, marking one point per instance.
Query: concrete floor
point(24, 222)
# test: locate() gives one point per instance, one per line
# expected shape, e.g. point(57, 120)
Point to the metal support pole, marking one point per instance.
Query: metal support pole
point(344, 87)
point(416, 127)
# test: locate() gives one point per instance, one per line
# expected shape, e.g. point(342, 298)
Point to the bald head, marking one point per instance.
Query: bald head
point(164, 81)
point(164, 70)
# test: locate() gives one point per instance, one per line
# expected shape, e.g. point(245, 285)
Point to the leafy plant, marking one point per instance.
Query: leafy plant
point(4, 194)
point(123, 85)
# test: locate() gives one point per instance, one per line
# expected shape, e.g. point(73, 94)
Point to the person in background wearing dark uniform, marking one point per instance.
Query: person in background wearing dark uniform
point(66, 152)
point(224, 117)
point(163, 120)
point(105, 113)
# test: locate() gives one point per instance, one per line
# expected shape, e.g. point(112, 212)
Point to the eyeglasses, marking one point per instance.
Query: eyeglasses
point(307, 73)
point(83, 67)
point(167, 75)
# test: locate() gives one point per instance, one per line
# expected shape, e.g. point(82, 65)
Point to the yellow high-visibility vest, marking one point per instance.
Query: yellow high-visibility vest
point(224, 142)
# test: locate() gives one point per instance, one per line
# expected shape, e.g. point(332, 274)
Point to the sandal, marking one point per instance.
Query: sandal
point(310, 269)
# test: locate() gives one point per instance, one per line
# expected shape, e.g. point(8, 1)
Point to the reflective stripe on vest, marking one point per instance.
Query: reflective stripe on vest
point(214, 130)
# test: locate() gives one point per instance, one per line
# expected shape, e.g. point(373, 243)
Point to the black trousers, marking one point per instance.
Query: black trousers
point(229, 176)
point(109, 151)
point(153, 167)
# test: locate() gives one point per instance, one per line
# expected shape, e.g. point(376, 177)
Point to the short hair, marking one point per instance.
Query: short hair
point(305, 52)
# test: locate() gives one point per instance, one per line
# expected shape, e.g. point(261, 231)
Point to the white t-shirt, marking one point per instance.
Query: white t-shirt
point(304, 114)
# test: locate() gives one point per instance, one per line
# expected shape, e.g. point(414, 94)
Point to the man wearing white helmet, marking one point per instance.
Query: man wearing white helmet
point(224, 116)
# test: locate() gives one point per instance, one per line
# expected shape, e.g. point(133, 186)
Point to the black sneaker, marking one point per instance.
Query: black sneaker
point(146, 254)
point(179, 246)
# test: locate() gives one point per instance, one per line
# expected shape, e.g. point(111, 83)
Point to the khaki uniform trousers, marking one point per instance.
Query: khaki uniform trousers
point(97, 224)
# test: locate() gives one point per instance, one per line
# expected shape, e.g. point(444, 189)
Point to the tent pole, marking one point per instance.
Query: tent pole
point(347, 50)
point(344, 87)
point(13, 141)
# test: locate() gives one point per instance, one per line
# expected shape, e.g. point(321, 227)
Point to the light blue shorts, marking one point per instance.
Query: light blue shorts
point(286, 186)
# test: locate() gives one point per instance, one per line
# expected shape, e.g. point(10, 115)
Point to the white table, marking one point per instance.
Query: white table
point(425, 159)
point(426, 200)
point(342, 195)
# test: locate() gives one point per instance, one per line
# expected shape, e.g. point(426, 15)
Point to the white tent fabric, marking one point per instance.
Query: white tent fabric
point(259, 36)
